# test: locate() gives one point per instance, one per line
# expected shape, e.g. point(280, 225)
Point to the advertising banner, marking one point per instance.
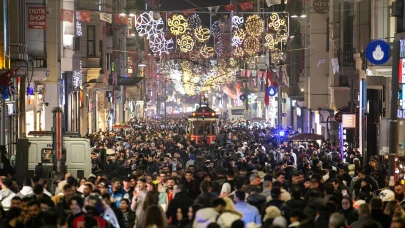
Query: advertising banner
point(37, 17)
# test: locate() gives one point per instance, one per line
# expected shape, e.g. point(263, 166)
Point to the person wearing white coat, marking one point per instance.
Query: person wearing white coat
point(229, 215)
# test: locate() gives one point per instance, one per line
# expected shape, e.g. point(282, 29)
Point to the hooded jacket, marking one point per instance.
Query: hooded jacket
point(204, 217)
point(26, 191)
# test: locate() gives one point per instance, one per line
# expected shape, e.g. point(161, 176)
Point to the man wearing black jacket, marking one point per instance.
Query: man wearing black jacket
point(376, 206)
point(181, 200)
point(63, 207)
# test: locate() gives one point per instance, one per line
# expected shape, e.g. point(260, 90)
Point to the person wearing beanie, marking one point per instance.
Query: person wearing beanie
point(191, 161)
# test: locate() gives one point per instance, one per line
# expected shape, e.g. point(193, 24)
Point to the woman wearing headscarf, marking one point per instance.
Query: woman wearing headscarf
point(348, 210)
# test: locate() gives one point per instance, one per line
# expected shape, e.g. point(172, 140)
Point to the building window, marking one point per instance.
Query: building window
point(91, 40)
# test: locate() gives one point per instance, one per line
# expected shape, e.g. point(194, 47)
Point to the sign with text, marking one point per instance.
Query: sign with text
point(37, 17)
point(401, 71)
point(349, 121)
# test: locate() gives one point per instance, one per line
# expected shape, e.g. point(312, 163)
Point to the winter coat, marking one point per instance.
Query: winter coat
point(26, 191)
point(226, 219)
point(204, 217)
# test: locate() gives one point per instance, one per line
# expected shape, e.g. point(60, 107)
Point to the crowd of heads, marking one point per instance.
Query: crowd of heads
point(153, 175)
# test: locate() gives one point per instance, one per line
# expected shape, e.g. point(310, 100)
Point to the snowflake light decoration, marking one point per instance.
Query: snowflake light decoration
point(254, 25)
point(232, 62)
point(178, 24)
point(194, 21)
point(216, 28)
point(186, 43)
point(207, 51)
point(147, 26)
point(237, 21)
point(276, 22)
point(159, 44)
point(202, 34)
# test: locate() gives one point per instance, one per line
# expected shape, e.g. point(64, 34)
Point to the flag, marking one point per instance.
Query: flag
point(115, 78)
point(230, 7)
point(105, 77)
point(5, 77)
point(118, 19)
point(272, 2)
point(84, 16)
point(107, 17)
point(266, 97)
point(188, 12)
point(246, 6)
point(66, 15)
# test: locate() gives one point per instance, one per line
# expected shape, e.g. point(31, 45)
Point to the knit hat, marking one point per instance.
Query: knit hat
point(192, 156)
point(280, 221)
point(272, 212)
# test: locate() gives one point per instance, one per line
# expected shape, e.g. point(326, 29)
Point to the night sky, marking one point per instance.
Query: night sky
point(183, 4)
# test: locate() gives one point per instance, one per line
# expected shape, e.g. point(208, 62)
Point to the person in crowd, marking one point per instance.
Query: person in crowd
point(151, 198)
point(180, 201)
point(348, 211)
point(155, 218)
point(14, 219)
point(35, 213)
point(376, 206)
point(76, 204)
point(128, 215)
point(208, 215)
point(26, 190)
point(63, 207)
point(229, 215)
point(6, 195)
point(250, 213)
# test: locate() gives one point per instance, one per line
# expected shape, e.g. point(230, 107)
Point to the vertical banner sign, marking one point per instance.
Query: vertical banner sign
point(36, 17)
point(58, 134)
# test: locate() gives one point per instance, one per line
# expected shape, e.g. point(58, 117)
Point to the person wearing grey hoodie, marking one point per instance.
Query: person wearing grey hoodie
point(209, 215)
point(26, 190)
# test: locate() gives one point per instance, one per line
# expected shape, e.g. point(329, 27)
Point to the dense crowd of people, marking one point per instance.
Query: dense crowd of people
point(155, 176)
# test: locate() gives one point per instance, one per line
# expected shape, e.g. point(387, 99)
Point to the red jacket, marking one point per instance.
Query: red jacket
point(79, 222)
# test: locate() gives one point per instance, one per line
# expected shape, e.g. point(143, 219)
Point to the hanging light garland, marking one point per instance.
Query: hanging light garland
point(186, 43)
point(178, 24)
point(216, 28)
point(251, 45)
point(194, 21)
point(202, 34)
point(254, 25)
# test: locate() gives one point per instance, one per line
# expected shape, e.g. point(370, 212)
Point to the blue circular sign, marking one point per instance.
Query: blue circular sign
point(242, 97)
point(378, 52)
point(271, 91)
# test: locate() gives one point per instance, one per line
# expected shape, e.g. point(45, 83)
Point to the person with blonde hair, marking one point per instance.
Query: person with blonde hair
point(229, 215)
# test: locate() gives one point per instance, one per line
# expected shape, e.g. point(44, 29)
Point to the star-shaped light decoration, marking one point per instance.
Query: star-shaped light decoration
point(147, 26)
point(159, 44)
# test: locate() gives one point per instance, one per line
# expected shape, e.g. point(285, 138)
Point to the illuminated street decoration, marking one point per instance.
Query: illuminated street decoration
point(216, 29)
point(202, 34)
point(186, 43)
point(194, 21)
point(77, 77)
point(178, 24)
point(232, 62)
point(254, 25)
point(238, 36)
point(251, 45)
point(270, 42)
point(207, 51)
point(194, 55)
point(147, 26)
point(237, 21)
point(159, 44)
point(79, 31)
point(239, 53)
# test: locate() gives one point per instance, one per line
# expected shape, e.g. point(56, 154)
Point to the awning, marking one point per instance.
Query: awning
point(127, 81)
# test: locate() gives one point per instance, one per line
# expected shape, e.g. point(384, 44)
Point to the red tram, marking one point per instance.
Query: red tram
point(203, 121)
